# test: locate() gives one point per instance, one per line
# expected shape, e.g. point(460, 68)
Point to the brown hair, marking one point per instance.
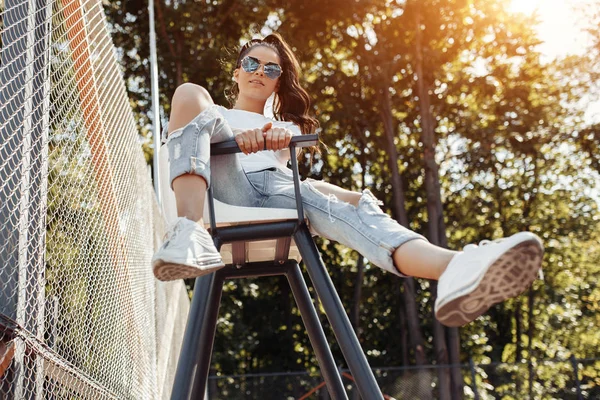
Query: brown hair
point(292, 102)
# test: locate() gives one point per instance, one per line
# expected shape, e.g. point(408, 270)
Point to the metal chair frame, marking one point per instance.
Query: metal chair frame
point(196, 351)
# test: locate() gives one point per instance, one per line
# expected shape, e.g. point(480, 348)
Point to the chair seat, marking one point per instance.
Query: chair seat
point(228, 215)
point(264, 250)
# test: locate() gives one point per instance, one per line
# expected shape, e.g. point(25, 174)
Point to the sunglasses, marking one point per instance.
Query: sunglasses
point(251, 64)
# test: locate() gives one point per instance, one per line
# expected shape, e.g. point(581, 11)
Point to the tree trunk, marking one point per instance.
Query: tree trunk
point(390, 133)
point(441, 356)
point(162, 31)
point(178, 38)
point(519, 346)
point(287, 298)
point(530, 303)
point(436, 227)
point(457, 382)
point(403, 332)
point(399, 211)
point(416, 341)
point(179, 43)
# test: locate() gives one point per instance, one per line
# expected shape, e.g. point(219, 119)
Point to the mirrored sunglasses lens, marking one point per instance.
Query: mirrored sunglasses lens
point(250, 64)
point(272, 71)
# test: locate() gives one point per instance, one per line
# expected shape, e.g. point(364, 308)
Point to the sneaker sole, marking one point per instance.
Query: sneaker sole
point(169, 271)
point(508, 276)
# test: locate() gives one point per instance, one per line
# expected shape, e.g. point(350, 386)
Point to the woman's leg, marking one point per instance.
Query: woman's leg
point(470, 281)
point(194, 123)
point(188, 250)
point(342, 194)
point(363, 227)
point(417, 258)
point(188, 101)
point(422, 259)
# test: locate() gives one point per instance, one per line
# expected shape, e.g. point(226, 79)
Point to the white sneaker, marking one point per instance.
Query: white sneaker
point(188, 252)
point(481, 276)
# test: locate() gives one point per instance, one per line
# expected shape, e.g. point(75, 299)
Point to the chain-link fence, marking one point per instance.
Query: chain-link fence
point(540, 380)
point(81, 315)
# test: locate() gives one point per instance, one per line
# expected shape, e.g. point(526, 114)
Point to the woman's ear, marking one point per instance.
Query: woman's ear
point(236, 74)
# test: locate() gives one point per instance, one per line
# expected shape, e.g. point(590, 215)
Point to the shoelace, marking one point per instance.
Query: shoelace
point(473, 246)
point(486, 242)
point(172, 229)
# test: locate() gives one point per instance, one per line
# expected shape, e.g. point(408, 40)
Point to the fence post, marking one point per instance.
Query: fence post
point(530, 368)
point(156, 131)
point(24, 97)
point(473, 377)
point(575, 365)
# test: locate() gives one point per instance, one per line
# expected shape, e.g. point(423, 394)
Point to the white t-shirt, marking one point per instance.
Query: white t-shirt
point(243, 120)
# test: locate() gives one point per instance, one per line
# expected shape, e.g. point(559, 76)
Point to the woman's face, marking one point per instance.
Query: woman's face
point(256, 84)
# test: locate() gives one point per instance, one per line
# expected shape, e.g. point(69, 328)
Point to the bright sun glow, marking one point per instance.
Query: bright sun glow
point(560, 25)
point(525, 6)
point(561, 31)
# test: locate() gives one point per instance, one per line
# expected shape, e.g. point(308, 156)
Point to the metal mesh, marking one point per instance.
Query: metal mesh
point(274, 386)
point(543, 379)
point(395, 383)
point(81, 315)
point(548, 379)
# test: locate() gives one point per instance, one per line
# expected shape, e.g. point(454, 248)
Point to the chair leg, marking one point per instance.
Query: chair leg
point(355, 357)
point(315, 333)
point(196, 349)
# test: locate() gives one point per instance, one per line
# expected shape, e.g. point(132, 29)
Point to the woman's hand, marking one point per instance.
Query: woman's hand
point(278, 138)
point(254, 140)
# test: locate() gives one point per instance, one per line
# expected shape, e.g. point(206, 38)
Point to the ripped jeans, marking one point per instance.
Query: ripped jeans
point(365, 228)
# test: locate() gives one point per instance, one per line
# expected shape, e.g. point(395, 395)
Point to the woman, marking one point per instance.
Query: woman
point(469, 281)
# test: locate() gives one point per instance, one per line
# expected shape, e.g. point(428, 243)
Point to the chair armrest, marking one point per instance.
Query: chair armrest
point(231, 147)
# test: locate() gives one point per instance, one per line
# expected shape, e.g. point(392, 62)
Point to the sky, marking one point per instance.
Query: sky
point(560, 26)
point(561, 30)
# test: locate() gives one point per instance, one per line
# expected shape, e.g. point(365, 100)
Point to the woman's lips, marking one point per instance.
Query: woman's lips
point(257, 82)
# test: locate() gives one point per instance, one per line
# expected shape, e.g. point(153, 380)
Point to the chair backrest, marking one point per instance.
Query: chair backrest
point(228, 215)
